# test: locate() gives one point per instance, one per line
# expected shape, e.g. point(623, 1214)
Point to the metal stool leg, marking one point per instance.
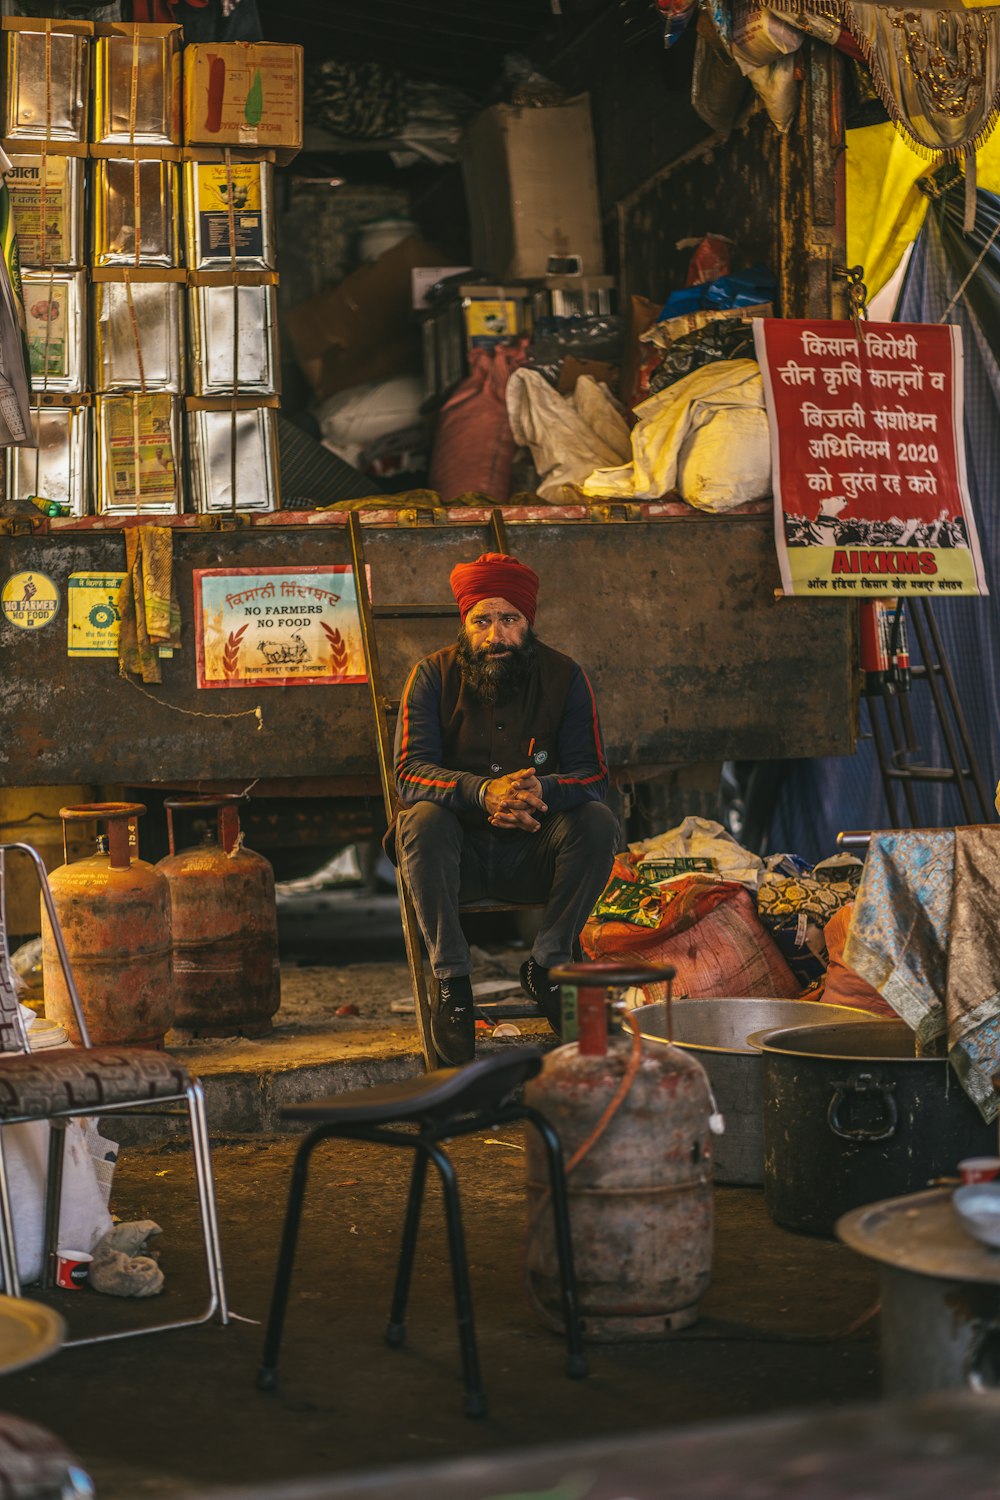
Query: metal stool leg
point(475, 1401)
point(576, 1360)
point(267, 1374)
point(202, 1153)
point(8, 1244)
point(53, 1200)
point(396, 1328)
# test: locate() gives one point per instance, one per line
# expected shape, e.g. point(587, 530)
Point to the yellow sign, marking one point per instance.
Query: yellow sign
point(29, 600)
point(93, 613)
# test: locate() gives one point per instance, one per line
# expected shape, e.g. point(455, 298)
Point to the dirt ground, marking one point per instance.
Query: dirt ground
point(177, 1414)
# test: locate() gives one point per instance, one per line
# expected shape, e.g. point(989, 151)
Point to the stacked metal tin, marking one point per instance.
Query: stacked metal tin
point(44, 85)
point(133, 354)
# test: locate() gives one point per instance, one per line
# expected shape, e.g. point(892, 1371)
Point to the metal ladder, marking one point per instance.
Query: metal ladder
point(384, 710)
point(897, 747)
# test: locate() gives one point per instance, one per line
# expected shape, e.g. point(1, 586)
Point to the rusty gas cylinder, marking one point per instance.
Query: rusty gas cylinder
point(640, 1199)
point(114, 911)
point(225, 924)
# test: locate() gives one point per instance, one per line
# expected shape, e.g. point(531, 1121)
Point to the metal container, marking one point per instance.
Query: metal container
point(574, 297)
point(224, 196)
point(232, 340)
point(59, 468)
point(46, 78)
point(135, 201)
point(852, 1114)
point(146, 427)
point(137, 86)
point(114, 911)
point(137, 335)
point(939, 1323)
point(54, 199)
point(224, 922)
point(640, 1188)
point(716, 1032)
point(54, 312)
point(210, 440)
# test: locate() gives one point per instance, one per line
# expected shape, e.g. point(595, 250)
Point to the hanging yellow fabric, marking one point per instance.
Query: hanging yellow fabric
point(885, 208)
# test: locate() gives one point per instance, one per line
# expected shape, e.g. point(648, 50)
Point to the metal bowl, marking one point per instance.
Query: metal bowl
point(977, 1205)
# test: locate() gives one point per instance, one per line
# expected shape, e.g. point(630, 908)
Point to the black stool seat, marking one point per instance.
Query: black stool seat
point(443, 1104)
point(452, 1091)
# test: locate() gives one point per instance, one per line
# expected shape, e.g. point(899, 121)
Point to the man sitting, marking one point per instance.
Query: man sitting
point(500, 768)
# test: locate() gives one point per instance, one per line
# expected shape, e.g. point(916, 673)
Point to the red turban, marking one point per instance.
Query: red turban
point(495, 576)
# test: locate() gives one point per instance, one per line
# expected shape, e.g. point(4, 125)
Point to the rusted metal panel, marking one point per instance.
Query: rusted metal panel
point(675, 619)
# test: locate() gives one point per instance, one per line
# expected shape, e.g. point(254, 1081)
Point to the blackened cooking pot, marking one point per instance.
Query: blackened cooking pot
point(852, 1115)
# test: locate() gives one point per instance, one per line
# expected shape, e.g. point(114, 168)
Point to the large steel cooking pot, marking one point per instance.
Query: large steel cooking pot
point(852, 1115)
point(716, 1032)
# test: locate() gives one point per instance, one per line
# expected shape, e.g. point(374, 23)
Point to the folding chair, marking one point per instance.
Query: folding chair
point(66, 1084)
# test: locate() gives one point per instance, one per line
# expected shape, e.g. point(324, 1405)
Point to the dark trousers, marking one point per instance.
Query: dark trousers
point(565, 864)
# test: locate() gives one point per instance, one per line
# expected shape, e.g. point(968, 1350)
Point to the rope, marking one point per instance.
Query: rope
point(972, 271)
point(236, 330)
point(195, 713)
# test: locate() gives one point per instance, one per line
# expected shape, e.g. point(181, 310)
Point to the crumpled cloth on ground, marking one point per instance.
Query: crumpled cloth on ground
point(701, 836)
point(705, 437)
point(925, 936)
point(569, 436)
point(147, 601)
point(119, 1266)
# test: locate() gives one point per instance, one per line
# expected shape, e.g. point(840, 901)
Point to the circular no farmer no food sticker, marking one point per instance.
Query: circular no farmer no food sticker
point(29, 600)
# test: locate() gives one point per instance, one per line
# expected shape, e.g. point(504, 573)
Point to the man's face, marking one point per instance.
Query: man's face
point(496, 628)
point(497, 649)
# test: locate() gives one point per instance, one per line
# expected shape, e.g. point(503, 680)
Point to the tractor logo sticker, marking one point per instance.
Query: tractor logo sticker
point(29, 600)
point(93, 619)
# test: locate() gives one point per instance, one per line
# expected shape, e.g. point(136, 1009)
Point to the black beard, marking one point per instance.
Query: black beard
point(492, 677)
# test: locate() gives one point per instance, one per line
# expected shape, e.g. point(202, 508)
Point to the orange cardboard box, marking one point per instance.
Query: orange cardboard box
point(243, 94)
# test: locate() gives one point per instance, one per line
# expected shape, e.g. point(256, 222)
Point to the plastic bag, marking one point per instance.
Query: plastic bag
point(670, 429)
point(567, 435)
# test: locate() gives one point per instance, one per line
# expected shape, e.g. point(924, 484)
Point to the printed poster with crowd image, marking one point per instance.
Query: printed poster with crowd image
point(871, 497)
point(277, 627)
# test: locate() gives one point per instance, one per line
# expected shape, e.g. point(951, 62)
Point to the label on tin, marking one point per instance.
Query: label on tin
point(27, 200)
point(213, 210)
point(29, 600)
point(47, 315)
point(139, 430)
point(92, 611)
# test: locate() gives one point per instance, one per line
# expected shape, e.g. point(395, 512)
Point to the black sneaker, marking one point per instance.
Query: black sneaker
point(537, 985)
point(453, 1023)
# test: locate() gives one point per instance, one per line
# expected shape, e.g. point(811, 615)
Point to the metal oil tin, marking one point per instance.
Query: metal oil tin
point(210, 438)
point(59, 468)
point(229, 215)
point(147, 427)
point(55, 200)
point(54, 325)
point(135, 199)
point(137, 87)
point(46, 77)
point(222, 317)
point(137, 335)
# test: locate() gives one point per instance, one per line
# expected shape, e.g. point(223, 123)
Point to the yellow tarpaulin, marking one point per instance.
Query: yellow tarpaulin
point(885, 209)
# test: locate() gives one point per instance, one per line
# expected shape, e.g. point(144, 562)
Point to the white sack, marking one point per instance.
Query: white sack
point(352, 419)
point(568, 435)
point(668, 423)
point(726, 461)
point(707, 839)
point(84, 1215)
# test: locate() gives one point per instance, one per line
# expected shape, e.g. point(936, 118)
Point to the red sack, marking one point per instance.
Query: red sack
point(711, 934)
point(474, 446)
point(843, 986)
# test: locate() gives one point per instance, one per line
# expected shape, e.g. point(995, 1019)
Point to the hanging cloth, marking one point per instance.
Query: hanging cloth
point(936, 71)
point(147, 601)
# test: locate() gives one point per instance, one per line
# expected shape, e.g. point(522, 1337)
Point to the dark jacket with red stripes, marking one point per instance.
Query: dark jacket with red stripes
point(449, 743)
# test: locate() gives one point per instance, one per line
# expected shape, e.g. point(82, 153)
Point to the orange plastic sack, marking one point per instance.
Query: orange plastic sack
point(843, 986)
point(711, 934)
point(474, 446)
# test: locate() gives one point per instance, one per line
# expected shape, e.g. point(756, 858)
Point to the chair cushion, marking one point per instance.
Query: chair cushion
point(36, 1085)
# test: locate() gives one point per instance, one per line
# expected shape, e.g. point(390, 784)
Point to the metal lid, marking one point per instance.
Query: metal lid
point(920, 1233)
